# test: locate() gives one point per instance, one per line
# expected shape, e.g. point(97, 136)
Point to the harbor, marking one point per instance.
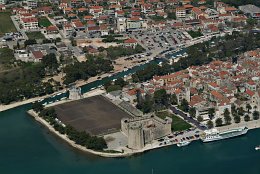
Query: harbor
point(48, 150)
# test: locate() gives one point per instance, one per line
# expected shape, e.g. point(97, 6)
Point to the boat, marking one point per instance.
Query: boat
point(183, 143)
point(59, 93)
point(63, 98)
point(257, 147)
point(44, 104)
point(50, 102)
point(40, 100)
point(214, 134)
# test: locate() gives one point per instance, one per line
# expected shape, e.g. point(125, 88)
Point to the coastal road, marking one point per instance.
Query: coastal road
point(177, 111)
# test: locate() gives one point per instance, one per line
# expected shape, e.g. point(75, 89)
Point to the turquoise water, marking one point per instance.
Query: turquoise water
point(27, 147)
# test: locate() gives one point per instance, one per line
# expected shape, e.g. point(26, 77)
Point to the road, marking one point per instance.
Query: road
point(175, 110)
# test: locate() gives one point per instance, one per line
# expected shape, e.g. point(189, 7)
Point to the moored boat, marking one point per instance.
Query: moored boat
point(214, 134)
point(183, 143)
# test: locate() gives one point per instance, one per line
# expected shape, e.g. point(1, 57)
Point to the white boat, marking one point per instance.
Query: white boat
point(40, 100)
point(44, 104)
point(92, 88)
point(214, 134)
point(183, 143)
point(63, 98)
point(257, 147)
point(59, 93)
point(50, 102)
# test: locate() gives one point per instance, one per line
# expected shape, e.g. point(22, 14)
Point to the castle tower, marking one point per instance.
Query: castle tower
point(136, 136)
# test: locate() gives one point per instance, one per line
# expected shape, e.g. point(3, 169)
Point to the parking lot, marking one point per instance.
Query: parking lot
point(154, 40)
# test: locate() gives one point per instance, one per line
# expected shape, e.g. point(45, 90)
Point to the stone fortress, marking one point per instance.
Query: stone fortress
point(143, 130)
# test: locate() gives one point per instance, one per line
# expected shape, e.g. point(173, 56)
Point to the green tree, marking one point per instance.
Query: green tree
point(37, 107)
point(247, 118)
point(161, 97)
point(192, 112)
point(30, 42)
point(255, 115)
point(248, 107)
point(184, 105)
point(50, 63)
point(237, 119)
point(233, 110)
point(210, 124)
point(211, 112)
point(227, 116)
point(219, 122)
point(173, 99)
point(120, 82)
point(240, 111)
point(171, 15)
point(199, 118)
point(113, 88)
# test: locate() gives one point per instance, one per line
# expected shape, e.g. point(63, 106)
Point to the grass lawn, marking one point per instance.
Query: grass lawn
point(35, 35)
point(178, 124)
point(6, 24)
point(44, 22)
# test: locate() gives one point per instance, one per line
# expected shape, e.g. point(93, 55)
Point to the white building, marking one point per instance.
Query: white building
point(180, 13)
point(29, 23)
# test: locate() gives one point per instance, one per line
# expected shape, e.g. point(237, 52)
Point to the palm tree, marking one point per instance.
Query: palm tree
point(227, 116)
point(248, 107)
point(247, 118)
point(255, 115)
point(233, 109)
point(241, 111)
point(219, 122)
point(210, 124)
point(237, 119)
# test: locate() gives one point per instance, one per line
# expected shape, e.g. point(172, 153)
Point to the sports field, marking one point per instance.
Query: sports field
point(6, 24)
point(95, 115)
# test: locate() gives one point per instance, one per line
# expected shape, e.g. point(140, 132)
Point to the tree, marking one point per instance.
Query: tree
point(184, 105)
point(37, 107)
point(171, 15)
point(227, 116)
point(120, 82)
point(219, 122)
point(240, 111)
point(113, 88)
point(251, 22)
point(30, 42)
point(233, 110)
point(211, 112)
point(147, 104)
point(173, 99)
point(50, 63)
point(199, 118)
point(237, 119)
point(248, 107)
point(161, 97)
point(247, 118)
point(192, 112)
point(210, 124)
point(255, 115)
